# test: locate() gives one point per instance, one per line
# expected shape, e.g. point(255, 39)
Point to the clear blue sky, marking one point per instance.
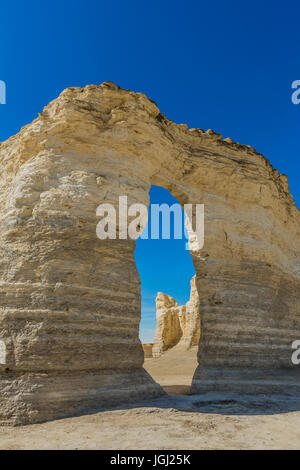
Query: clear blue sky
point(225, 65)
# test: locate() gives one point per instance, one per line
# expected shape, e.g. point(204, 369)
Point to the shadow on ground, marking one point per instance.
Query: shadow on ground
point(220, 403)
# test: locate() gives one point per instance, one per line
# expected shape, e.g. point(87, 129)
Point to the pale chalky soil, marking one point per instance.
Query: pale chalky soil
point(166, 424)
point(173, 422)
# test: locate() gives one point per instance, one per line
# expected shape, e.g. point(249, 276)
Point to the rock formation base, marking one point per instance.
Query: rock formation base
point(243, 381)
point(32, 398)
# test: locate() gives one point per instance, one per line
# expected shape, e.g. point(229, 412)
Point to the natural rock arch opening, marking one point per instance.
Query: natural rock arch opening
point(165, 264)
point(70, 303)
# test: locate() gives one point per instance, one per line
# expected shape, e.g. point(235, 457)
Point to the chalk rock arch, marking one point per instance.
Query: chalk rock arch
point(71, 302)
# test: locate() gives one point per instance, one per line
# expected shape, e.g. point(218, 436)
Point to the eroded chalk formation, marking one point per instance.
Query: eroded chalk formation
point(176, 324)
point(70, 303)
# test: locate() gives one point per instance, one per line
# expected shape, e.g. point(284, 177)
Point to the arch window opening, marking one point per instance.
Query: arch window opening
point(170, 320)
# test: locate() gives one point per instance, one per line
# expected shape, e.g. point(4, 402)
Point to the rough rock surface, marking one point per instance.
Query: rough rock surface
point(147, 347)
point(70, 303)
point(176, 324)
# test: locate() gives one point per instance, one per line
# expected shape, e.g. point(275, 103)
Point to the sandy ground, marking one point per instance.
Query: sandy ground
point(208, 421)
point(174, 370)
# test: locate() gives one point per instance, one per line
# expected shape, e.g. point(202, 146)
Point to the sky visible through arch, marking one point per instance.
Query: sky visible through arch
point(164, 266)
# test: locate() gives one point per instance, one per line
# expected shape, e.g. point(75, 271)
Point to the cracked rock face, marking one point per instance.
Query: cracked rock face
point(176, 324)
point(70, 303)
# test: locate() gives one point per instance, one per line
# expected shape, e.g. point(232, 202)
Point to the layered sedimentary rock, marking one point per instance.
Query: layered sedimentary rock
point(176, 324)
point(70, 303)
point(147, 347)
